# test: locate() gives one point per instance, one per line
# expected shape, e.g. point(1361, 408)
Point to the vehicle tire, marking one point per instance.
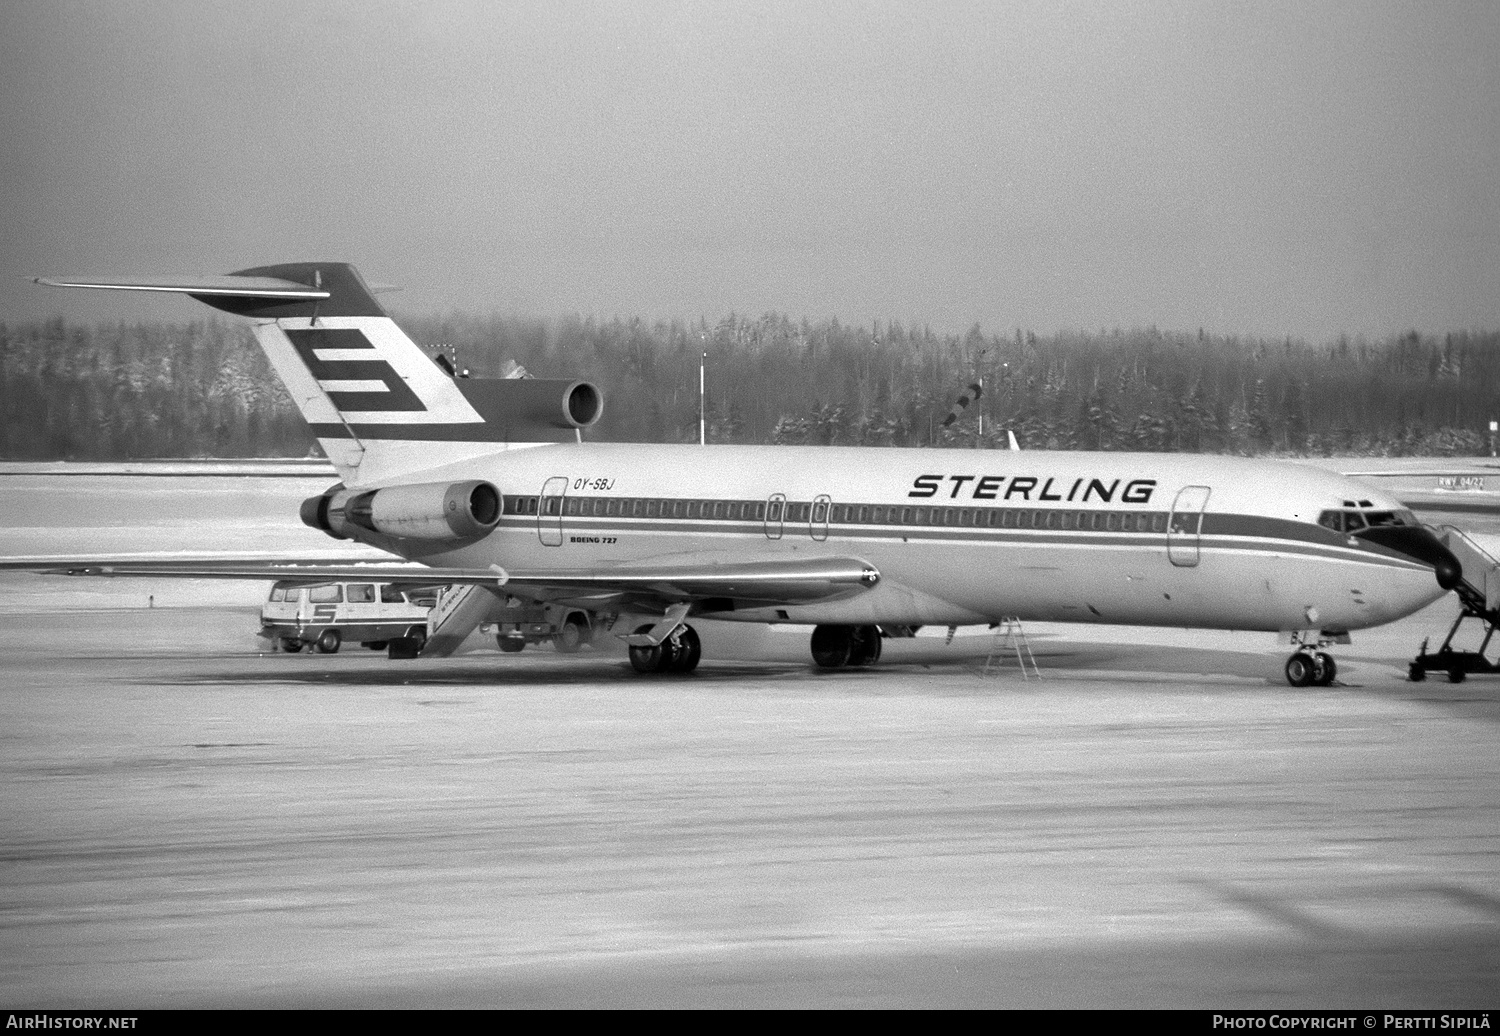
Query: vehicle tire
point(1415, 673)
point(864, 648)
point(689, 650)
point(1324, 669)
point(329, 641)
point(570, 637)
point(291, 645)
point(831, 646)
point(510, 644)
point(1457, 676)
point(645, 659)
point(1300, 669)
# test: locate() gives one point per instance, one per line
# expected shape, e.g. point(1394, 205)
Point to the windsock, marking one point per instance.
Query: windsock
point(972, 393)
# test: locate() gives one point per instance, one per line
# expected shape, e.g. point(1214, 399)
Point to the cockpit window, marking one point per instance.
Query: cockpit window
point(1354, 521)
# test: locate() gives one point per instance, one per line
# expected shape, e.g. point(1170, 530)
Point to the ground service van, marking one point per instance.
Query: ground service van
point(324, 616)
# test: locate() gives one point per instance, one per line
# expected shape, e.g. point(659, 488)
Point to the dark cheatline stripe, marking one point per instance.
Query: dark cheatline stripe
point(1258, 526)
point(1310, 546)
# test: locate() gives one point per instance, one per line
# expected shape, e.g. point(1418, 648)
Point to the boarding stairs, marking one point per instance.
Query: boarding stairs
point(1009, 640)
point(458, 610)
point(1479, 592)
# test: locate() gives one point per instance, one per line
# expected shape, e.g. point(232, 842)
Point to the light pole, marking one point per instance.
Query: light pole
point(702, 424)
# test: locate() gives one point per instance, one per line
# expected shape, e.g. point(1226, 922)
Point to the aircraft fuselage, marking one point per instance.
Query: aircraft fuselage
point(962, 536)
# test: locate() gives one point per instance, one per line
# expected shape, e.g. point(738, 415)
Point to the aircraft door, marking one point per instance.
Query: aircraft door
point(1184, 525)
point(818, 523)
point(549, 511)
point(775, 515)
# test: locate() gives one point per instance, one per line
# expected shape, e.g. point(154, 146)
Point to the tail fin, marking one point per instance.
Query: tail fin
point(379, 407)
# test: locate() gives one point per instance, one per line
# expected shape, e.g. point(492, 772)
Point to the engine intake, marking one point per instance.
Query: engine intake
point(431, 511)
point(534, 406)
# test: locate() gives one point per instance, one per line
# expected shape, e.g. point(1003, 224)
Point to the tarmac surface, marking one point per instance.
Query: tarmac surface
point(190, 822)
point(1158, 821)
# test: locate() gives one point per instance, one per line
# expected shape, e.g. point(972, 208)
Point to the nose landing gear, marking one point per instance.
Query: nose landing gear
point(1310, 665)
point(1307, 668)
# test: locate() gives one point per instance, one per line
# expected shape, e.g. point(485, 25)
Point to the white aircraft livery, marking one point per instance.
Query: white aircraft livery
point(488, 484)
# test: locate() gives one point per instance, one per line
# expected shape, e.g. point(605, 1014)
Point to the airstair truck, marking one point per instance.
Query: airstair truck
point(1479, 596)
point(513, 622)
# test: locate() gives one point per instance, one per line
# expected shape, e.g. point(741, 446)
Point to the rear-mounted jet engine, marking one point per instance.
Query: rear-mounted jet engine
point(432, 511)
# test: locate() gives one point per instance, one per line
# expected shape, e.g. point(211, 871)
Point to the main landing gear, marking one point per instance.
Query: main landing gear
point(834, 647)
point(678, 653)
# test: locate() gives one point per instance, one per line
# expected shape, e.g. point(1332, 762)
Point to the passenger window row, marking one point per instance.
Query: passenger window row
point(822, 511)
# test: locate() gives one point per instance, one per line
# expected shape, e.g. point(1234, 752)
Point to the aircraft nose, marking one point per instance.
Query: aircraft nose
point(1421, 544)
point(1449, 571)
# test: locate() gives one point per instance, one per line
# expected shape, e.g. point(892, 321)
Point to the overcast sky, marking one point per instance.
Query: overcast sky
point(1303, 168)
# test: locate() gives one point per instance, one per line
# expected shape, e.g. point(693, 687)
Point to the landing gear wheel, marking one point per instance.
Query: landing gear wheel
point(1457, 676)
point(329, 641)
point(1415, 673)
point(1324, 669)
point(1300, 669)
point(510, 645)
point(645, 659)
point(669, 654)
point(689, 650)
point(832, 646)
point(291, 645)
point(570, 637)
point(864, 646)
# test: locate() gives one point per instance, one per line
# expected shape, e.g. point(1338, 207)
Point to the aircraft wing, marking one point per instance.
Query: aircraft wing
point(791, 581)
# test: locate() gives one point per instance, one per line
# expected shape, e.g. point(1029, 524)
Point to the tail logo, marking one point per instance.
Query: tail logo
point(346, 366)
point(360, 372)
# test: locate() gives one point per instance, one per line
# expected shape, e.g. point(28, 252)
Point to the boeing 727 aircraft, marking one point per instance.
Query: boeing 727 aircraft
point(488, 484)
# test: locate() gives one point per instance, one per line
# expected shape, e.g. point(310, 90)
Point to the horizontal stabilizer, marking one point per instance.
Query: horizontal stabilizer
point(286, 290)
point(230, 285)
